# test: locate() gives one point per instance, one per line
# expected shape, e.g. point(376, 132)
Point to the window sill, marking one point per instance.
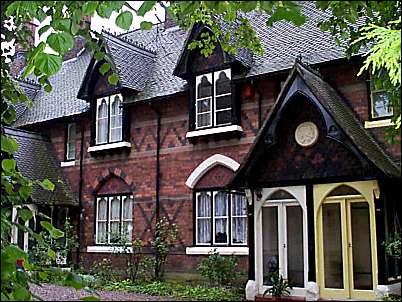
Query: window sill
point(202, 132)
point(377, 124)
point(222, 250)
point(69, 163)
point(107, 249)
point(109, 146)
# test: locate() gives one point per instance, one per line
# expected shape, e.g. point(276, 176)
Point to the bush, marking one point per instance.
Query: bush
point(393, 246)
point(103, 271)
point(219, 269)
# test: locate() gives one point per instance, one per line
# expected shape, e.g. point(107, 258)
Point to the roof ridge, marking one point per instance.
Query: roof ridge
point(131, 42)
point(28, 81)
point(25, 133)
point(140, 29)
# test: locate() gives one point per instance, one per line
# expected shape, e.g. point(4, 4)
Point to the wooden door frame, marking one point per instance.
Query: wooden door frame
point(368, 190)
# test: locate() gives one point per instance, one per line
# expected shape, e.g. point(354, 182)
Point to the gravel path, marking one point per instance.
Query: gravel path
point(50, 292)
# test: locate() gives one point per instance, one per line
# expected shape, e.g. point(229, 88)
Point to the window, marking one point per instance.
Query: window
point(114, 218)
point(221, 218)
point(380, 100)
point(213, 103)
point(70, 142)
point(109, 116)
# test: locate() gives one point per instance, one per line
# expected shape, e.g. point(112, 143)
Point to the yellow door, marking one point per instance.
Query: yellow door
point(346, 255)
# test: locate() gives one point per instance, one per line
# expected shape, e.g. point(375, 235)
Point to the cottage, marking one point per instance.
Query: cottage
point(279, 159)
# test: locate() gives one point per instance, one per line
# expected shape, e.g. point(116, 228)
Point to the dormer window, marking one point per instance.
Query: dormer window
point(109, 117)
point(213, 102)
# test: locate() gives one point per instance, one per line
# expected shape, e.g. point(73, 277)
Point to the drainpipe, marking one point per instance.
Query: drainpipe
point(80, 186)
point(157, 175)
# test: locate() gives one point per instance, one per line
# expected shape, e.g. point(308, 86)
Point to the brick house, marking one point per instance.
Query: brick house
point(265, 157)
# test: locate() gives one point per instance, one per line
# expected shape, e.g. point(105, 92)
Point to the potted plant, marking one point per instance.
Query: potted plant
point(280, 288)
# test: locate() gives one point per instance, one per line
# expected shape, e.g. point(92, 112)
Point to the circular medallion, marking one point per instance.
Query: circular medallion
point(306, 134)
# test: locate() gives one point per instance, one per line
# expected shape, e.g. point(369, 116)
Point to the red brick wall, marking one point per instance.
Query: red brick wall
point(179, 157)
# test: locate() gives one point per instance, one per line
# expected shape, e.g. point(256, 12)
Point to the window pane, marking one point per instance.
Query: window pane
point(270, 242)
point(204, 230)
point(127, 230)
point(239, 205)
point(128, 208)
point(101, 237)
point(102, 130)
point(204, 205)
point(295, 257)
point(221, 202)
point(204, 105)
point(223, 102)
point(222, 83)
point(103, 110)
point(221, 235)
point(102, 209)
point(381, 104)
point(204, 88)
point(280, 194)
point(224, 117)
point(239, 230)
point(204, 120)
point(71, 141)
point(333, 262)
point(115, 208)
point(114, 232)
point(115, 135)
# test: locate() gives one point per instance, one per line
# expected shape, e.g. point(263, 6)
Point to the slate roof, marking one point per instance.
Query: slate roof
point(36, 160)
point(134, 62)
point(31, 89)
point(341, 113)
point(62, 101)
point(282, 42)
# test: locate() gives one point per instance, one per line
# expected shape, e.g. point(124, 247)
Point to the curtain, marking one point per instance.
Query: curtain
point(239, 219)
point(204, 218)
point(221, 217)
point(102, 220)
point(127, 217)
point(114, 218)
point(102, 126)
point(116, 120)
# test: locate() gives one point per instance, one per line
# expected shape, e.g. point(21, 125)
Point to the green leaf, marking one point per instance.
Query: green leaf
point(48, 64)
point(61, 42)
point(74, 281)
point(8, 165)
point(124, 20)
point(90, 298)
point(51, 254)
point(104, 10)
point(25, 214)
point(248, 6)
point(54, 233)
point(145, 7)
point(99, 55)
point(146, 25)
point(104, 68)
point(89, 8)
point(11, 253)
point(12, 8)
point(61, 24)
point(47, 184)
point(21, 294)
point(48, 88)
point(43, 29)
point(8, 144)
point(113, 79)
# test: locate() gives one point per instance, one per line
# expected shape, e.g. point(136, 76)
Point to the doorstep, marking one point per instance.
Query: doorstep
point(282, 298)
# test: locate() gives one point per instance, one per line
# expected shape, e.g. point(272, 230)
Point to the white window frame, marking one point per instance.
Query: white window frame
point(97, 220)
point(216, 77)
point(232, 216)
point(126, 220)
point(119, 115)
point(374, 91)
point(197, 99)
point(70, 145)
point(214, 217)
point(108, 100)
point(118, 220)
point(197, 218)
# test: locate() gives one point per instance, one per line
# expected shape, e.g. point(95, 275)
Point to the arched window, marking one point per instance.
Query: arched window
point(109, 118)
point(343, 190)
point(204, 101)
point(281, 195)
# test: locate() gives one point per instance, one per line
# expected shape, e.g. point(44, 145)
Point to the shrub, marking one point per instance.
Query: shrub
point(393, 246)
point(218, 269)
point(280, 286)
point(164, 239)
point(103, 271)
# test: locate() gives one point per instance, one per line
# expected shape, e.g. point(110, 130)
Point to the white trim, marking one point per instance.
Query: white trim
point(203, 217)
point(67, 163)
point(109, 146)
point(107, 249)
point(208, 164)
point(379, 123)
point(222, 250)
point(228, 73)
point(216, 130)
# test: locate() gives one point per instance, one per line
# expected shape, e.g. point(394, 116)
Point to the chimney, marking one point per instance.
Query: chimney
point(79, 43)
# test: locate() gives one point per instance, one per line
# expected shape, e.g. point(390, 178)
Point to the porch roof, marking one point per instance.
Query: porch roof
point(334, 104)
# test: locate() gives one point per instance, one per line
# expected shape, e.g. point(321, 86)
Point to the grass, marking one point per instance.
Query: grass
point(195, 292)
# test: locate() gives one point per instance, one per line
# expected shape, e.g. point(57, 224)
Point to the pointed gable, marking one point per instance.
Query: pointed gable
point(343, 149)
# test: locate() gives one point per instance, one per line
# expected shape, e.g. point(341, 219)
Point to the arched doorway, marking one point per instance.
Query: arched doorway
point(346, 240)
point(281, 239)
